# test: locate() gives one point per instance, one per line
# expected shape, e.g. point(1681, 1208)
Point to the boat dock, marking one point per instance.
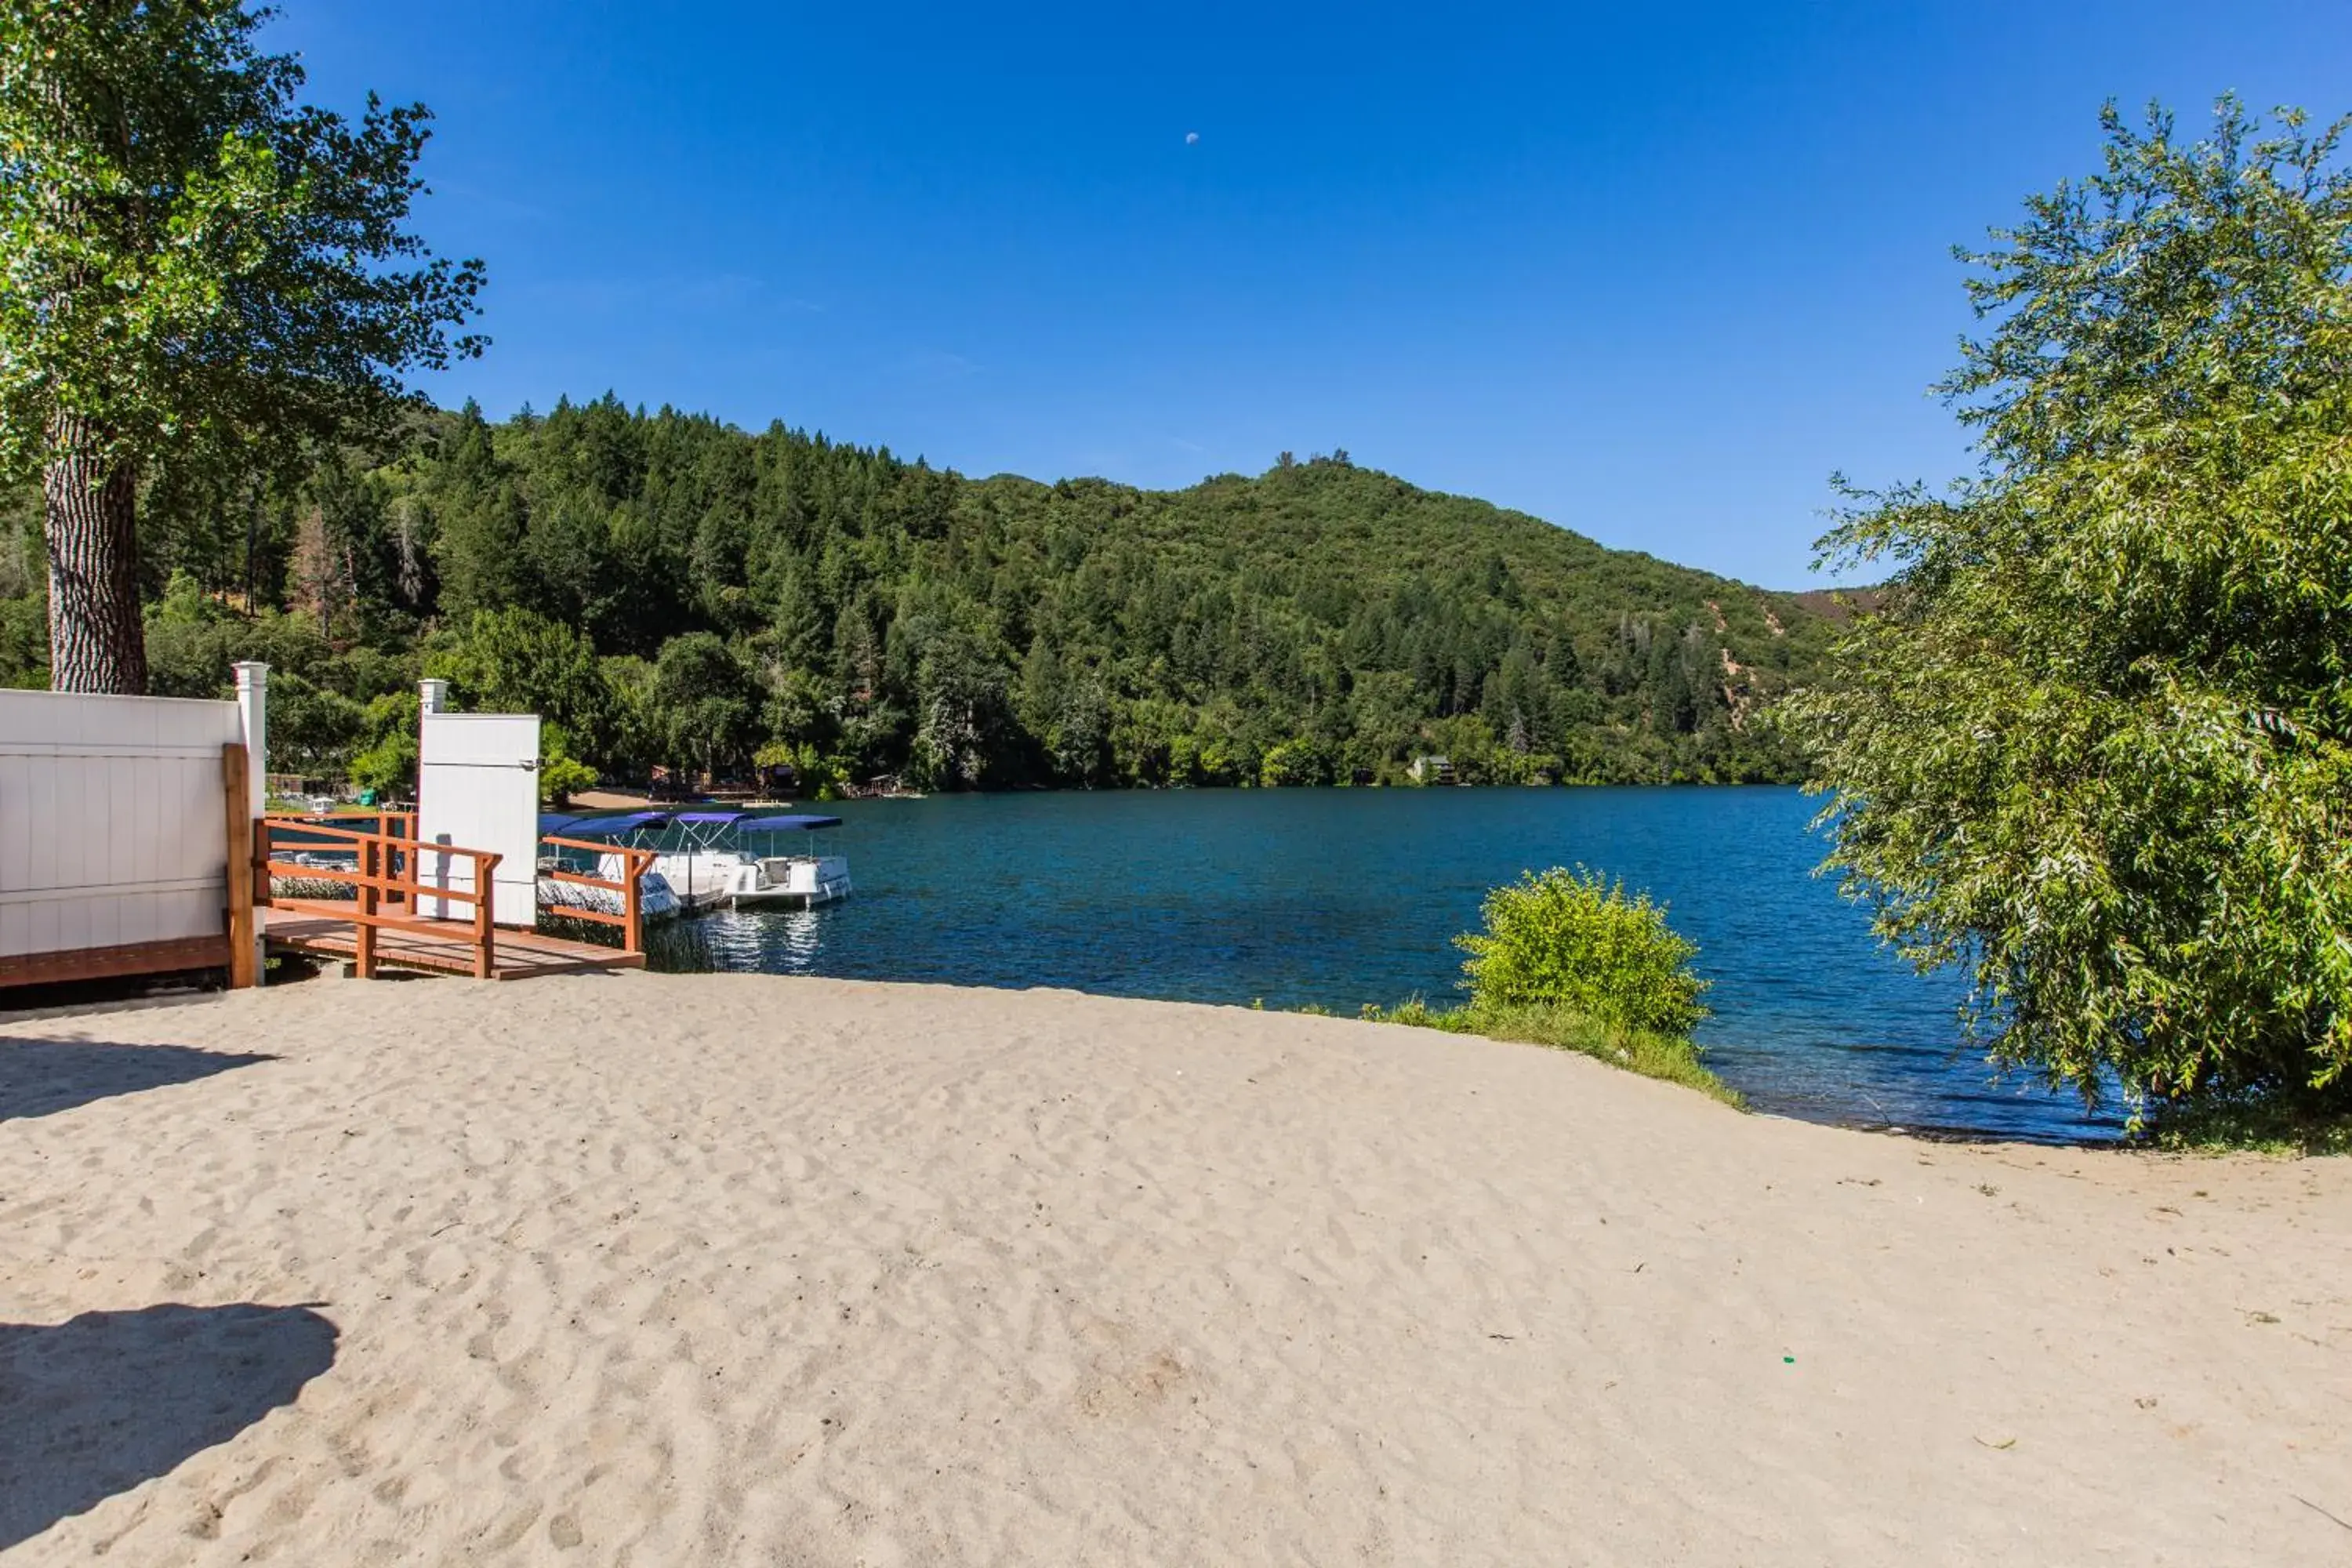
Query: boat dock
point(402, 892)
point(513, 954)
point(140, 843)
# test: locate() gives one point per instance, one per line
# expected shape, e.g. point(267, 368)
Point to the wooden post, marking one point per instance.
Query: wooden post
point(398, 897)
point(633, 902)
point(486, 960)
point(362, 933)
point(259, 877)
point(243, 956)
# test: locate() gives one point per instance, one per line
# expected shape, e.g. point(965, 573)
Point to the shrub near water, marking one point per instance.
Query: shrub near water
point(1567, 960)
point(1574, 940)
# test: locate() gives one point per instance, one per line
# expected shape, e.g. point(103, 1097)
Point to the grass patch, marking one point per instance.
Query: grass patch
point(675, 946)
point(1669, 1058)
point(2250, 1127)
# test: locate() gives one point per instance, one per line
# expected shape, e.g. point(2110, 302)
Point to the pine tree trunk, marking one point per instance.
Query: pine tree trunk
point(96, 641)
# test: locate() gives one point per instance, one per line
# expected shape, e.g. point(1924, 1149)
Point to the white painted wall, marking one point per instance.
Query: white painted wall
point(112, 827)
point(477, 784)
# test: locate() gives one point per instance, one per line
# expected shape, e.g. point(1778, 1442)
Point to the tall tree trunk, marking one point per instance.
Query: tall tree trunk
point(96, 641)
point(252, 543)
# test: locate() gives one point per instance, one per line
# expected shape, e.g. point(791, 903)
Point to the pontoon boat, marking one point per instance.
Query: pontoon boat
point(711, 859)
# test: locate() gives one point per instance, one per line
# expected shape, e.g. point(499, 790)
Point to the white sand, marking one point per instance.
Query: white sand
point(735, 1269)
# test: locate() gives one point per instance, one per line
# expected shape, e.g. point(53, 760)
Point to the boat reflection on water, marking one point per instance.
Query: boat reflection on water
point(779, 942)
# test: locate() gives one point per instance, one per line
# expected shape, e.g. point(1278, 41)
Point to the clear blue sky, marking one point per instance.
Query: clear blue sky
point(1651, 273)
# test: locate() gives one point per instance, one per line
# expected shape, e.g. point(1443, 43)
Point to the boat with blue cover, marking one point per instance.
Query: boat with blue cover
point(712, 858)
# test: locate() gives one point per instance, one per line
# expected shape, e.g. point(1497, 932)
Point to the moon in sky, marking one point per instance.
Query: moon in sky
point(1191, 139)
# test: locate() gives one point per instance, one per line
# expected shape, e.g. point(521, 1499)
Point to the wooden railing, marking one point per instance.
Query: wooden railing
point(631, 915)
point(389, 888)
point(395, 825)
point(385, 872)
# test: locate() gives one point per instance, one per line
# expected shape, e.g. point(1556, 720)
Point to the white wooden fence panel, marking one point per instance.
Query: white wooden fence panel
point(112, 827)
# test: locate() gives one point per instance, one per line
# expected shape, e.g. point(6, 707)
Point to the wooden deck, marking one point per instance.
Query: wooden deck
point(517, 955)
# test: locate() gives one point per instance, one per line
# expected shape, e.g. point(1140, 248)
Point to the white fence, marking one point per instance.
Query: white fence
point(114, 829)
point(477, 784)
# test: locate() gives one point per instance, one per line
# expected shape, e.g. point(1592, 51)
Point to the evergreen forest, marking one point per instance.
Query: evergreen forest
point(672, 591)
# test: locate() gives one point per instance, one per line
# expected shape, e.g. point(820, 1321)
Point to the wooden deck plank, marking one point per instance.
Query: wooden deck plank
point(520, 954)
point(109, 963)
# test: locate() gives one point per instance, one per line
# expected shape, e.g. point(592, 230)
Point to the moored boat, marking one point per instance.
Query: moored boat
point(715, 858)
point(802, 878)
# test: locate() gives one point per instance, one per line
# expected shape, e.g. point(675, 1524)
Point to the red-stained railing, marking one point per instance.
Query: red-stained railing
point(386, 871)
point(630, 918)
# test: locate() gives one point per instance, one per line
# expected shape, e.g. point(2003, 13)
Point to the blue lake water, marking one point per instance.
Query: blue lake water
point(1344, 896)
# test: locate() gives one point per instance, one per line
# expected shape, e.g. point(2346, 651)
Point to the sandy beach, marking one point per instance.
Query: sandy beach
point(735, 1269)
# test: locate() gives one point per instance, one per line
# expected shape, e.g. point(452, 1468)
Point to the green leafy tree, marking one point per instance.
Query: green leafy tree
point(814, 774)
point(513, 661)
point(481, 520)
point(313, 730)
point(1145, 733)
point(2095, 738)
point(193, 260)
point(796, 708)
point(965, 713)
point(638, 742)
point(387, 764)
point(705, 701)
point(1079, 739)
point(1301, 760)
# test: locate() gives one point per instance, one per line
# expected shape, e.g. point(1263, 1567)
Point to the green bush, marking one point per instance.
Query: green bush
point(560, 773)
point(1574, 940)
point(1416, 1014)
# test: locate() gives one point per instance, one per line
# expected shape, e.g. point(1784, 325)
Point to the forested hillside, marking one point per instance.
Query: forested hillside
point(671, 590)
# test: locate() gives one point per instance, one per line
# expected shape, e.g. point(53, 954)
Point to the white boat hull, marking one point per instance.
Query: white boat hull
point(655, 899)
point(790, 881)
point(712, 879)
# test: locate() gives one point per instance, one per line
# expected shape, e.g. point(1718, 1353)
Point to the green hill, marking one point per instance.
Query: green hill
point(674, 590)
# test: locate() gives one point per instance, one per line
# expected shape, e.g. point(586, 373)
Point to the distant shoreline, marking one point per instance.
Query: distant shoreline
point(627, 800)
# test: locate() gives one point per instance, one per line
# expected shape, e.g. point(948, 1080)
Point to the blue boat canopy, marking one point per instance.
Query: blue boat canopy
point(612, 826)
point(560, 826)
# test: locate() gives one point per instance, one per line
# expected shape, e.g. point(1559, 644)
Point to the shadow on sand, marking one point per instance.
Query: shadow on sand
point(41, 1078)
point(97, 1404)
